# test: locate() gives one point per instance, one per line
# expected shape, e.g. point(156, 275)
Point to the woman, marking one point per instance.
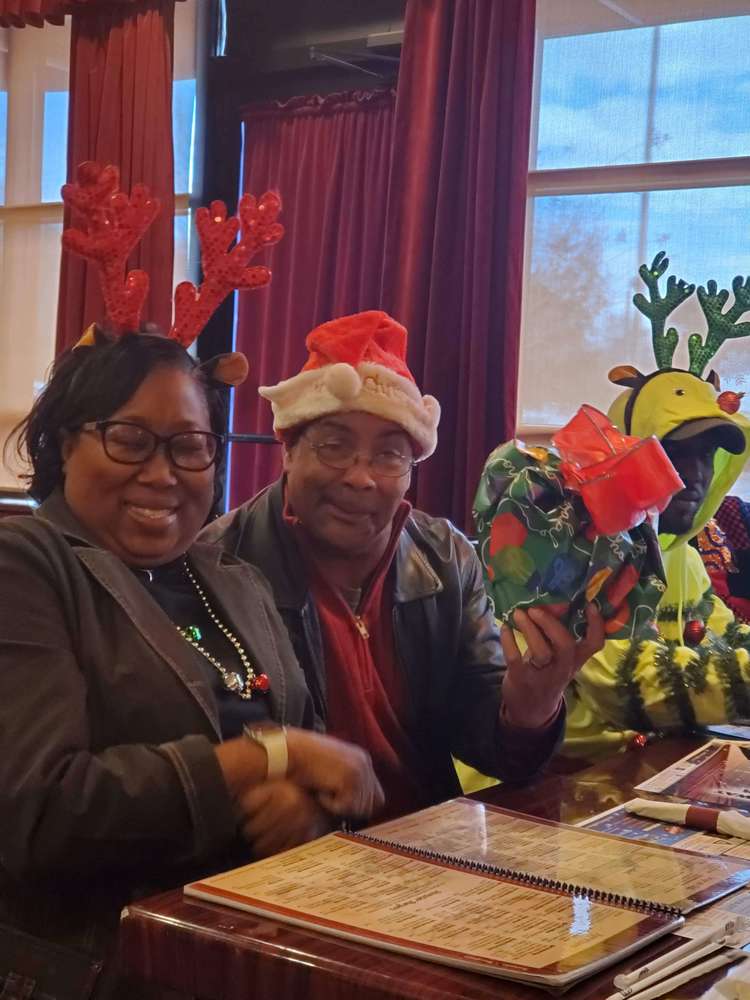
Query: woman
point(131, 658)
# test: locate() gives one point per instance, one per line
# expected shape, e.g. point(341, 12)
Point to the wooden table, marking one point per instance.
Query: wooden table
point(216, 953)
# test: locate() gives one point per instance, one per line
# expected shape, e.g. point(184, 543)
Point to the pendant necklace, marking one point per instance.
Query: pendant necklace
point(253, 682)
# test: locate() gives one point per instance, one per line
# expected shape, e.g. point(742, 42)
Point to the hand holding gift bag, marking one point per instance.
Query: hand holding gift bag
point(559, 531)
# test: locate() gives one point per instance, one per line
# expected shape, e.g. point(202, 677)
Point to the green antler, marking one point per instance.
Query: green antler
point(656, 309)
point(721, 326)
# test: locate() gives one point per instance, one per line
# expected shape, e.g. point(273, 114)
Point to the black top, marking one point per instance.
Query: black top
point(172, 590)
point(446, 638)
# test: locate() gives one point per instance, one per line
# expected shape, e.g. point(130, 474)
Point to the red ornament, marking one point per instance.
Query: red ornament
point(639, 741)
point(729, 401)
point(261, 683)
point(695, 632)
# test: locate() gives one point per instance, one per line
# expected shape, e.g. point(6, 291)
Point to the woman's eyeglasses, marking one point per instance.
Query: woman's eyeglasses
point(341, 455)
point(131, 444)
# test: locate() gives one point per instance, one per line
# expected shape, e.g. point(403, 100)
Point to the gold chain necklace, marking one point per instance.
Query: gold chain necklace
point(253, 683)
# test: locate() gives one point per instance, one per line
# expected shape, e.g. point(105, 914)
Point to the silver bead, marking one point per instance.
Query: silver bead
point(232, 680)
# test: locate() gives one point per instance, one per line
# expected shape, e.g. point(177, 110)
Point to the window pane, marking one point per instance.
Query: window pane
point(183, 234)
point(183, 127)
point(29, 259)
point(702, 108)
point(36, 71)
point(579, 320)
point(592, 99)
point(671, 92)
point(3, 141)
point(54, 144)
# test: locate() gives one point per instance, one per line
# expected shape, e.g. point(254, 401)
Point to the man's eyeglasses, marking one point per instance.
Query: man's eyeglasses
point(131, 444)
point(389, 462)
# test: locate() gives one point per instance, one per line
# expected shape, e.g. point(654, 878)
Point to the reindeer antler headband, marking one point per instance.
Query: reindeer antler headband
point(114, 223)
point(720, 325)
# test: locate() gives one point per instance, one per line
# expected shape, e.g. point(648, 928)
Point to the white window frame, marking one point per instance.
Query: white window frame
point(608, 179)
point(26, 169)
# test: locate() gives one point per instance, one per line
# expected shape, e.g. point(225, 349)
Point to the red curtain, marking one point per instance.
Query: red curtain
point(121, 113)
point(19, 13)
point(329, 158)
point(456, 210)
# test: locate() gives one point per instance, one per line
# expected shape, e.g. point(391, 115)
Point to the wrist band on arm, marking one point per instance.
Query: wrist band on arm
point(273, 741)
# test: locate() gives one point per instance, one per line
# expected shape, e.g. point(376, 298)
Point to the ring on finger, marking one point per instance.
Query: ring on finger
point(536, 663)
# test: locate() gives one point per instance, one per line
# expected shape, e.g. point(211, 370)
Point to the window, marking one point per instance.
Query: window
point(183, 131)
point(54, 143)
point(641, 142)
point(34, 86)
point(33, 146)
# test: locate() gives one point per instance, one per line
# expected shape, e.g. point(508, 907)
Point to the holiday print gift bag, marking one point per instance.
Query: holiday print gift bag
point(561, 528)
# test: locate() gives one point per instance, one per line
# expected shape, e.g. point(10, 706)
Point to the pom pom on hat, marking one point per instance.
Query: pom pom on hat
point(357, 362)
point(343, 382)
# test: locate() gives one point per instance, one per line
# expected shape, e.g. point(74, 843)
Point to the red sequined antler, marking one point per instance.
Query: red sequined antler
point(113, 226)
point(224, 269)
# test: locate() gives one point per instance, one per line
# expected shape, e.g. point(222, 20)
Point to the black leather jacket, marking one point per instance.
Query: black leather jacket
point(445, 633)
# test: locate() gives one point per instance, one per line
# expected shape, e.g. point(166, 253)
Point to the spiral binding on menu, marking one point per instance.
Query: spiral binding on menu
point(523, 878)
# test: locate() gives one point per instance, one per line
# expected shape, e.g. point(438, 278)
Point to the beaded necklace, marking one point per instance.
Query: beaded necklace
point(253, 683)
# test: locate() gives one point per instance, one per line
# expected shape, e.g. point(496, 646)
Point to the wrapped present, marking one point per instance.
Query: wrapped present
point(561, 528)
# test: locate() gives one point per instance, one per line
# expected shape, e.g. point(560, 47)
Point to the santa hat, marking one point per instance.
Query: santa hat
point(357, 363)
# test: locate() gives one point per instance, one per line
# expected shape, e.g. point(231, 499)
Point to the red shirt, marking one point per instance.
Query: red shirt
point(367, 695)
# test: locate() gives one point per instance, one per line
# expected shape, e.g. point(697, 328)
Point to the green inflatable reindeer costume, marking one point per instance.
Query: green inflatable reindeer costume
point(696, 668)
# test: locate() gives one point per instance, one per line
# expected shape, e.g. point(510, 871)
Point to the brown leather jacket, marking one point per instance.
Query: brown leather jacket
point(109, 786)
point(446, 638)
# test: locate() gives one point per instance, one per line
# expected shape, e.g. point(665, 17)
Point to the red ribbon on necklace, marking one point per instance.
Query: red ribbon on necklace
point(622, 480)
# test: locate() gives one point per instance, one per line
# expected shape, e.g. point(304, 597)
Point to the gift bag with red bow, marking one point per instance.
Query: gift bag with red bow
point(561, 528)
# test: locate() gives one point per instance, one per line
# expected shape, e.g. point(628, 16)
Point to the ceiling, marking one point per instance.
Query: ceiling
point(279, 34)
point(578, 17)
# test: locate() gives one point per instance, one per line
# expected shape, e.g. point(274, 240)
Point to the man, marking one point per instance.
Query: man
point(385, 605)
point(695, 669)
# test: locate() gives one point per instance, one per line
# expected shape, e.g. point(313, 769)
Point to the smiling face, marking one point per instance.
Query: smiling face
point(346, 512)
point(694, 461)
point(147, 514)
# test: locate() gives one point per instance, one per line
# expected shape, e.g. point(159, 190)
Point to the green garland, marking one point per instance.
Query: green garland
point(696, 672)
point(672, 681)
point(735, 689)
point(737, 636)
point(701, 609)
point(629, 691)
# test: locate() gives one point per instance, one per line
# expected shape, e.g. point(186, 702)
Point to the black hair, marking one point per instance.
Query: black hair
point(291, 435)
point(92, 382)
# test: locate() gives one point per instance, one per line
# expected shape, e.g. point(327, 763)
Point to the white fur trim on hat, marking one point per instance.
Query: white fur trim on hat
point(370, 388)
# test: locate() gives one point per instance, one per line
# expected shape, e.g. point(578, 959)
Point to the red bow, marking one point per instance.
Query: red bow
point(621, 479)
